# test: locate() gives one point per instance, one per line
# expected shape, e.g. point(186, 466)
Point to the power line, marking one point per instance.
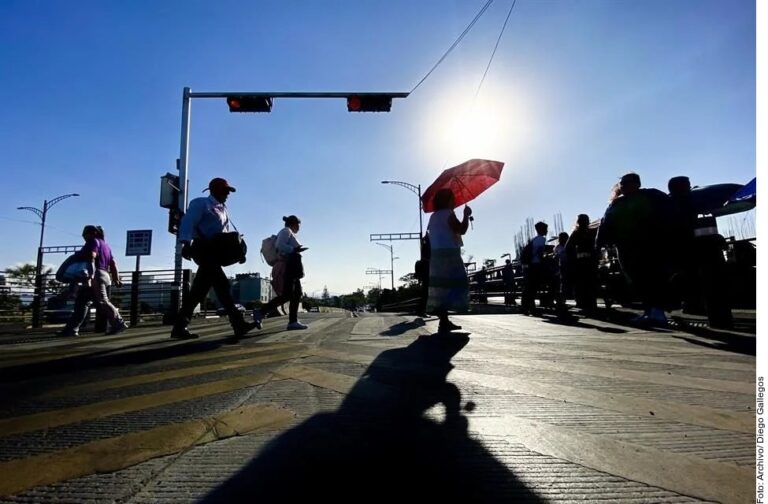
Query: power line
point(456, 42)
point(494, 49)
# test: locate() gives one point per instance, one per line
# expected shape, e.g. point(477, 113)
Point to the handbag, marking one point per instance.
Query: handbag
point(222, 249)
point(226, 249)
point(74, 270)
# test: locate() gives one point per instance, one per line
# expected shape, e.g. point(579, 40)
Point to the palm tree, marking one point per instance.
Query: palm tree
point(25, 273)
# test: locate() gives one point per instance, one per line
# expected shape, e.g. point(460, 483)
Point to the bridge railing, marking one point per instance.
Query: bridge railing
point(143, 296)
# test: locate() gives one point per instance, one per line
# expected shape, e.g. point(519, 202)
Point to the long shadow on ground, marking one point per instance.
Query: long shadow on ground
point(379, 446)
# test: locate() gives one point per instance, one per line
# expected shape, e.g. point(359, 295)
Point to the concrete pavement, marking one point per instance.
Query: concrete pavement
point(378, 407)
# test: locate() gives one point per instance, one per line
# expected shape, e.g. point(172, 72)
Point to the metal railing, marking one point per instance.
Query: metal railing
point(143, 296)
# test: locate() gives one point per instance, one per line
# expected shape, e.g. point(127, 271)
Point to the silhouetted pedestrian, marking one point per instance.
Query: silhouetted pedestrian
point(639, 224)
point(96, 290)
point(286, 275)
point(700, 258)
point(448, 283)
point(206, 218)
point(510, 284)
point(583, 260)
point(534, 271)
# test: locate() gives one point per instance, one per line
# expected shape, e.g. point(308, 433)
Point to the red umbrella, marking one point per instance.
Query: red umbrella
point(466, 180)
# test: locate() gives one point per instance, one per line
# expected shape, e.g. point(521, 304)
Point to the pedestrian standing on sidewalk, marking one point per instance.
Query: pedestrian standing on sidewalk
point(508, 275)
point(206, 218)
point(534, 273)
point(583, 259)
point(448, 282)
point(286, 275)
point(96, 290)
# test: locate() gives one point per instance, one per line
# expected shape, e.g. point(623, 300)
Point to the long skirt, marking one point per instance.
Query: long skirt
point(448, 283)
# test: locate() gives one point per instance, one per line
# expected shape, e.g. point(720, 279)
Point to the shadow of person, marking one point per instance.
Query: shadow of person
point(403, 327)
point(379, 446)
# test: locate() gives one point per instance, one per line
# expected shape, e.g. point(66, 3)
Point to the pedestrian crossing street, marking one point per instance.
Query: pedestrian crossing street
point(652, 409)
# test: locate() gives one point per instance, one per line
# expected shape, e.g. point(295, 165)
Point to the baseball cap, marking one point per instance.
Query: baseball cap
point(220, 184)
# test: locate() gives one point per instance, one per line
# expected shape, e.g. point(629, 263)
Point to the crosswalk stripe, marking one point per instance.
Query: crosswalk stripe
point(319, 378)
point(56, 418)
point(171, 374)
point(108, 455)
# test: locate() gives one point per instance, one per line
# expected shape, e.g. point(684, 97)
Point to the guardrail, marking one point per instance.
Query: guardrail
point(144, 295)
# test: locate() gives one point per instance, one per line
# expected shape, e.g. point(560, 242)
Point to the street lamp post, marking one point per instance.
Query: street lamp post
point(391, 261)
point(37, 300)
point(416, 189)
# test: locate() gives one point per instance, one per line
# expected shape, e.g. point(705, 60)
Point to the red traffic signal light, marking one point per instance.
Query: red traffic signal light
point(249, 103)
point(369, 103)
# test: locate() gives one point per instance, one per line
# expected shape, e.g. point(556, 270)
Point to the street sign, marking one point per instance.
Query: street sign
point(138, 242)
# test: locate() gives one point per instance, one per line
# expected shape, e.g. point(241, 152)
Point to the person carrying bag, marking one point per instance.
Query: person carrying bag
point(287, 273)
point(206, 238)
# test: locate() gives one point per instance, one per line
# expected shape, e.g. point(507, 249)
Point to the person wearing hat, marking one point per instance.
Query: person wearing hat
point(286, 275)
point(205, 218)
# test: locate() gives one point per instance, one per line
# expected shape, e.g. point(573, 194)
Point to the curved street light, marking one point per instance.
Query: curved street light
point(391, 261)
point(42, 214)
point(416, 189)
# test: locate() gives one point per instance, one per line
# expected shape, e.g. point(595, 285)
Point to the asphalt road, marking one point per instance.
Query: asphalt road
point(377, 407)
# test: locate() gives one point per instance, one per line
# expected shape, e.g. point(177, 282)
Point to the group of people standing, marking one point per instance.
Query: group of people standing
point(665, 258)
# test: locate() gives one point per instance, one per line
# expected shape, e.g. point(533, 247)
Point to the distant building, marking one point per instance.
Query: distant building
point(251, 287)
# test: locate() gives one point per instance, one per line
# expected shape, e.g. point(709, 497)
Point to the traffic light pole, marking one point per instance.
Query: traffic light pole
point(186, 111)
point(356, 102)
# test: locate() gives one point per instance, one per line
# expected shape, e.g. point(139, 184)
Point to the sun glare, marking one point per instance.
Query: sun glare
point(495, 126)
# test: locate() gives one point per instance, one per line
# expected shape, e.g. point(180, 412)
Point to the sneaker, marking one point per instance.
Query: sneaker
point(296, 326)
point(67, 333)
point(117, 328)
point(258, 316)
point(183, 334)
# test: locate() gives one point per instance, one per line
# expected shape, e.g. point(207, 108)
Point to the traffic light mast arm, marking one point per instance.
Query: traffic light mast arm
point(294, 94)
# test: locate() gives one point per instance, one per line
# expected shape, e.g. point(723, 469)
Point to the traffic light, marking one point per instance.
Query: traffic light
point(174, 220)
point(369, 103)
point(249, 103)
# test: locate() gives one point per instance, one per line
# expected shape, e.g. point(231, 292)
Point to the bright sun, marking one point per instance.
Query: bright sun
point(493, 127)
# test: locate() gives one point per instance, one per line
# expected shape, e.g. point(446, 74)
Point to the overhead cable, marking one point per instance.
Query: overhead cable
point(466, 30)
point(494, 50)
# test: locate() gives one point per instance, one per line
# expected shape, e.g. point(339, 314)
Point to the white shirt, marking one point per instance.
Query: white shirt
point(286, 241)
point(440, 233)
point(205, 218)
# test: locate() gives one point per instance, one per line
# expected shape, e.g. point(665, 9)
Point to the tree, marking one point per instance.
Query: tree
point(25, 273)
point(373, 296)
point(409, 280)
point(326, 297)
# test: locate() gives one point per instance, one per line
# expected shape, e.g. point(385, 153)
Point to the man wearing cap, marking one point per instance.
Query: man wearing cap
point(205, 218)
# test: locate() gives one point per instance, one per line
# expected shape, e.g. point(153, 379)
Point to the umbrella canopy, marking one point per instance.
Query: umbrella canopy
point(708, 199)
point(725, 199)
point(467, 181)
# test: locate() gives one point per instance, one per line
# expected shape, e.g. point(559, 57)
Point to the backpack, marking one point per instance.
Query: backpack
point(526, 255)
point(269, 250)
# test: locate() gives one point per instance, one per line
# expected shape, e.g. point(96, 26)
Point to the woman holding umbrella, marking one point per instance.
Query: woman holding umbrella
point(448, 283)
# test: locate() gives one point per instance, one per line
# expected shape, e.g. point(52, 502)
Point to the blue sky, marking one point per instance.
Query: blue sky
point(579, 92)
